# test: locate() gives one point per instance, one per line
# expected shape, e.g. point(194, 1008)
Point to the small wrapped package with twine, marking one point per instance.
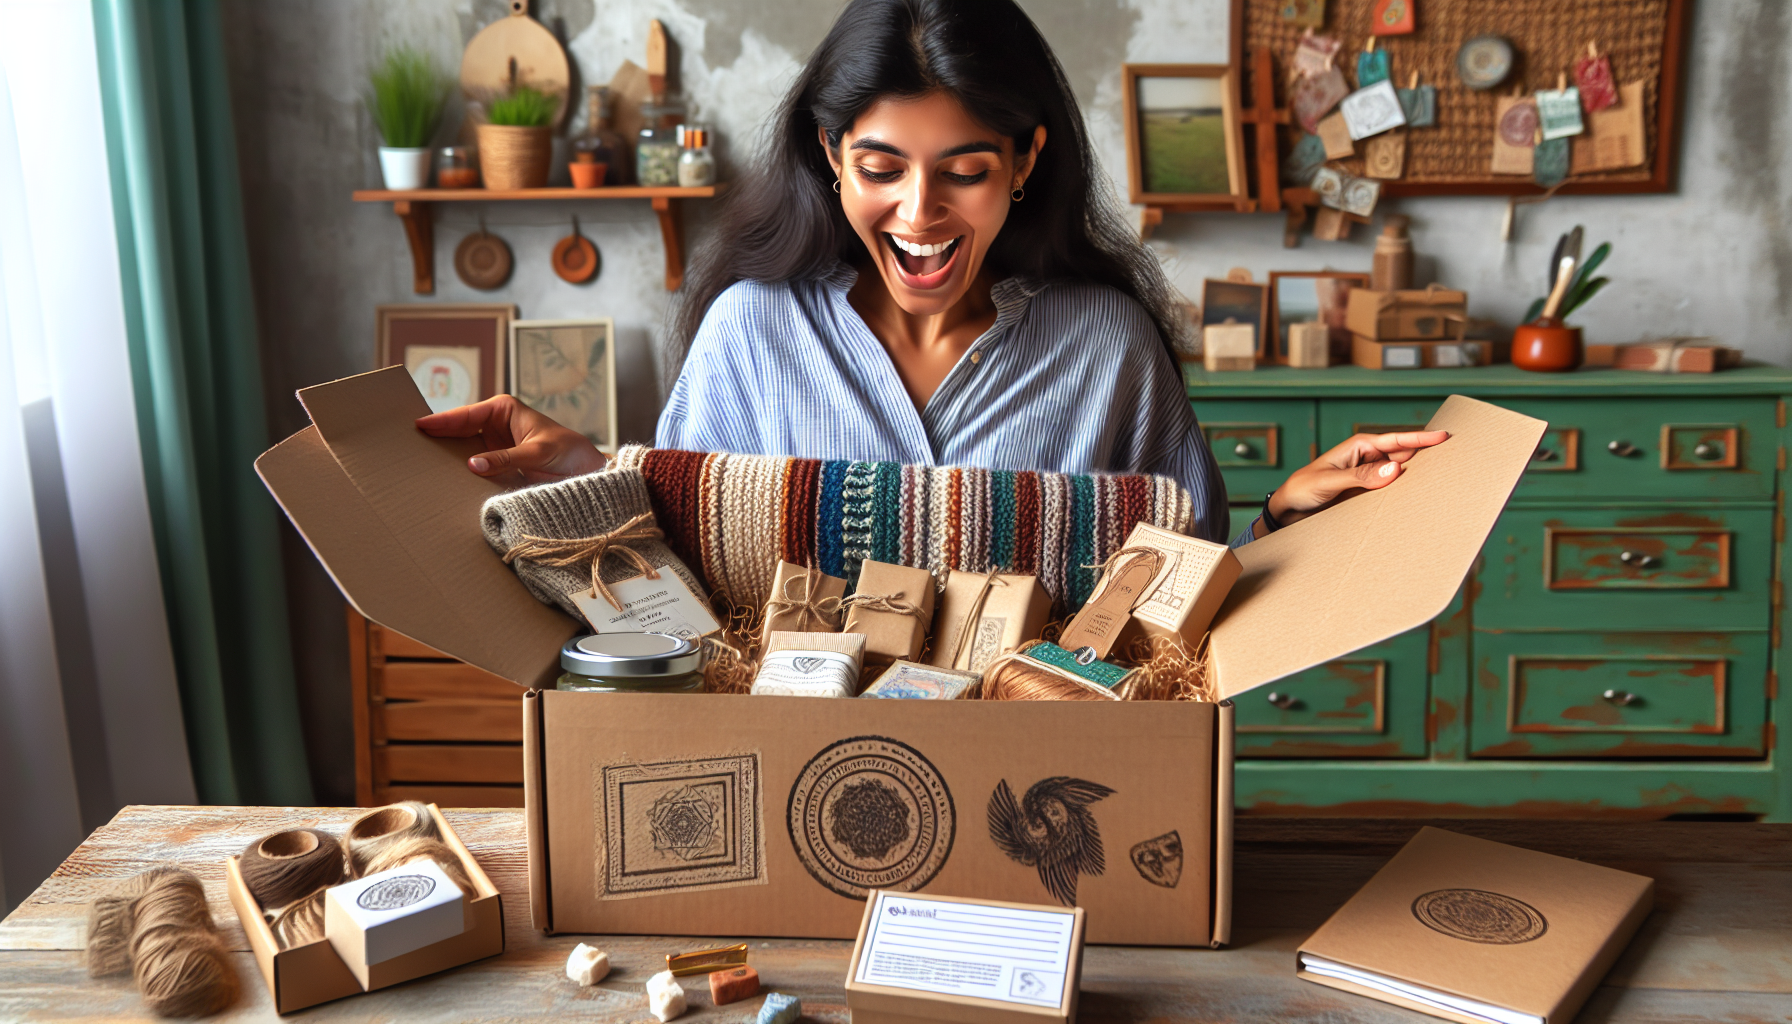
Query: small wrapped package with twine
point(578, 536)
point(893, 608)
point(804, 601)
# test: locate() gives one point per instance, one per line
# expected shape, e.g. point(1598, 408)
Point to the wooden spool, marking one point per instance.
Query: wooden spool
point(512, 51)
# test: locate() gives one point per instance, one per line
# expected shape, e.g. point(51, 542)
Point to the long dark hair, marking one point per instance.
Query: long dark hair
point(784, 222)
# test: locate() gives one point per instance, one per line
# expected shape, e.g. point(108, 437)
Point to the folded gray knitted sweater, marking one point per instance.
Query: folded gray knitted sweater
point(583, 506)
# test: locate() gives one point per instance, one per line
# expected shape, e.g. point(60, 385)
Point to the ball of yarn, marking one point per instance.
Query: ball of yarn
point(299, 923)
point(288, 866)
point(377, 829)
point(418, 848)
point(158, 925)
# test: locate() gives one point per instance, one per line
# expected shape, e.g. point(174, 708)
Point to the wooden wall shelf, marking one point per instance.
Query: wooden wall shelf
point(416, 208)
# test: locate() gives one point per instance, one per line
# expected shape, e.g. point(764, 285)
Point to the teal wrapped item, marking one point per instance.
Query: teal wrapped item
point(1100, 673)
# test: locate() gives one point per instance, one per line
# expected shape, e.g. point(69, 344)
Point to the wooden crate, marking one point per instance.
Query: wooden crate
point(428, 727)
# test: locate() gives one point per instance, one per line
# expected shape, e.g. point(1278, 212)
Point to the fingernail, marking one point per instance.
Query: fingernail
point(1388, 470)
point(479, 464)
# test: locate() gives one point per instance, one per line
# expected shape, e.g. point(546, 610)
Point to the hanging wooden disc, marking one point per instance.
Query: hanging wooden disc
point(482, 260)
point(513, 51)
point(575, 258)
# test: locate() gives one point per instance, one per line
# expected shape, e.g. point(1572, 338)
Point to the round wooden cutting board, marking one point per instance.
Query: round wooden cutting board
point(516, 50)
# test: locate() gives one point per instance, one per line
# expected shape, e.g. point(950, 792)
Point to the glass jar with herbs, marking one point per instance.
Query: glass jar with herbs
point(696, 165)
point(656, 149)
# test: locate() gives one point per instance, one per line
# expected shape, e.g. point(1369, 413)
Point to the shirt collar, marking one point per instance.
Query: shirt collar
point(1011, 295)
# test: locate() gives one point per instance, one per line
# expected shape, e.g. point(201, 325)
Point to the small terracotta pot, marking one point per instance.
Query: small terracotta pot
point(512, 157)
point(590, 175)
point(1546, 347)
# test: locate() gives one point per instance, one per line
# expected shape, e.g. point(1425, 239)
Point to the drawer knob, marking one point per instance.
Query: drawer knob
point(1242, 450)
point(1708, 451)
point(1622, 449)
point(1284, 701)
point(1638, 560)
point(1622, 698)
point(1543, 455)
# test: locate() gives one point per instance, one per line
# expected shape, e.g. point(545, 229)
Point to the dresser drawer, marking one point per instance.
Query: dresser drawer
point(1610, 447)
point(1584, 569)
point(1257, 444)
point(1369, 704)
point(1619, 695)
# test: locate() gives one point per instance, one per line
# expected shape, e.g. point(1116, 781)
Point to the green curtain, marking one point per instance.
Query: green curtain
point(190, 315)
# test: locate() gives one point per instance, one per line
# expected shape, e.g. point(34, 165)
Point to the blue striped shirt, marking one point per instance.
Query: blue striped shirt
point(1071, 378)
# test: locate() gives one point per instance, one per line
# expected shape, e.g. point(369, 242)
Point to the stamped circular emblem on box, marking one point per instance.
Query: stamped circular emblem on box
point(1479, 916)
point(871, 813)
point(396, 893)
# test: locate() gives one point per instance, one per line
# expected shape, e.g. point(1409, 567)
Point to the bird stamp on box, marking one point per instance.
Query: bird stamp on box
point(1159, 861)
point(1051, 829)
point(679, 826)
point(1479, 916)
point(871, 813)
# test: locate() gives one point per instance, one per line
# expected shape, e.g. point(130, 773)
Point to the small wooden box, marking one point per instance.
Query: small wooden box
point(1416, 355)
point(1229, 347)
point(1309, 345)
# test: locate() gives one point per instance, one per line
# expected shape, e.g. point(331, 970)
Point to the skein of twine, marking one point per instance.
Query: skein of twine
point(157, 925)
point(1016, 677)
point(592, 550)
point(387, 826)
point(287, 866)
point(419, 848)
point(299, 923)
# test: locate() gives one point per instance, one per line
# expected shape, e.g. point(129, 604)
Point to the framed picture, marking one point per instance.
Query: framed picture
point(455, 352)
point(1296, 296)
point(1182, 137)
point(1237, 302)
point(566, 369)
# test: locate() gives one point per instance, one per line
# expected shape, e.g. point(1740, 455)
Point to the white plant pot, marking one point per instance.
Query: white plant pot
point(404, 169)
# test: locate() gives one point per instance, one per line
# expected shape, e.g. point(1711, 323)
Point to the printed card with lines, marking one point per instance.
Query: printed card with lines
point(1005, 953)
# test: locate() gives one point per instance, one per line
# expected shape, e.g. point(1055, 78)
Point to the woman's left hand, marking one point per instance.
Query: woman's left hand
point(1363, 463)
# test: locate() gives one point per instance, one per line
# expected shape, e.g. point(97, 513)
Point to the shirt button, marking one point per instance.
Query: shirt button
point(976, 357)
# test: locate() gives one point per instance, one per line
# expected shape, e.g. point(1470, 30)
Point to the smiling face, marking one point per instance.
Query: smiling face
point(927, 187)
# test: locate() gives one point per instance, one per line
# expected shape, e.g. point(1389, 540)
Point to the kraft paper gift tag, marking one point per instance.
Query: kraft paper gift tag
point(1614, 136)
point(1334, 135)
point(1514, 136)
point(1384, 156)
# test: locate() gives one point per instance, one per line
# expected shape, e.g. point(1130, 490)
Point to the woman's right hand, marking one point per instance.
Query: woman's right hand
point(519, 441)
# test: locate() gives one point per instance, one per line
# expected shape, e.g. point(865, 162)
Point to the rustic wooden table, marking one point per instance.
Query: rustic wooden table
point(1717, 948)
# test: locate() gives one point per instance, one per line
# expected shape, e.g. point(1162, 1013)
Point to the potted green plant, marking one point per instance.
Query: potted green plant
point(516, 140)
point(405, 98)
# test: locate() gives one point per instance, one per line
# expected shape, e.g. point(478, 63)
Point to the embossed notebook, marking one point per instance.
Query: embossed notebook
point(1479, 932)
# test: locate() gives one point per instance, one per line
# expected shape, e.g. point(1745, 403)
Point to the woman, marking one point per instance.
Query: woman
point(927, 267)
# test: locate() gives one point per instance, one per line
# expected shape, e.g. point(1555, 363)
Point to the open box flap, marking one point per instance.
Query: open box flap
point(393, 514)
point(1379, 564)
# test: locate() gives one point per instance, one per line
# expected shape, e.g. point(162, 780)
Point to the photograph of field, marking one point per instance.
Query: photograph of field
point(1182, 135)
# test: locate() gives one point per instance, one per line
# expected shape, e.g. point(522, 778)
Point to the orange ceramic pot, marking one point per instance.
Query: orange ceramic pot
point(1546, 347)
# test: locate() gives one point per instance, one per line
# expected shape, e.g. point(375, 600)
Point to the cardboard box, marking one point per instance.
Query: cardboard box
point(595, 764)
point(1416, 355)
point(1186, 592)
point(923, 958)
point(1229, 347)
point(981, 616)
point(1427, 314)
point(1309, 345)
point(1453, 920)
point(307, 975)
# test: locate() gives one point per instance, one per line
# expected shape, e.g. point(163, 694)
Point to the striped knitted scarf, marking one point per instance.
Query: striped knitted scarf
point(733, 517)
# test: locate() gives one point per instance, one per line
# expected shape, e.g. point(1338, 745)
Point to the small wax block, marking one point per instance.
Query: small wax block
point(587, 965)
point(665, 996)
point(733, 985)
point(779, 1008)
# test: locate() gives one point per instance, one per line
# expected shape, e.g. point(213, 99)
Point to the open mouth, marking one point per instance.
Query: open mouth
point(924, 265)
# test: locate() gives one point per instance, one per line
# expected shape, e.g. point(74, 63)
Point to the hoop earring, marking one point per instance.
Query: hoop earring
point(836, 186)
point(1018, 194)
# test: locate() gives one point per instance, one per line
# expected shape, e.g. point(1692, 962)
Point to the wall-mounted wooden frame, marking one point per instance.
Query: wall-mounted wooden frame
point(1650, 45)
point(566, 370)
point(1328, 308)
point(1168, 112)
point(456, 352)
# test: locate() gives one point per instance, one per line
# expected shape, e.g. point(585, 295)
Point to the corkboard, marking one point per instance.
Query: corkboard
point(1645, 40)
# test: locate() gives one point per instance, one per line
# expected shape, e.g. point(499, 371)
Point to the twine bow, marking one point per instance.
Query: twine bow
point(816, 610)
point(1113, 562)
point(594, 549)
point(882, 603)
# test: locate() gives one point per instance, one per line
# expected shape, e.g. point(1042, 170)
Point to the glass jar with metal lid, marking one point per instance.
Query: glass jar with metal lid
point(631, 663)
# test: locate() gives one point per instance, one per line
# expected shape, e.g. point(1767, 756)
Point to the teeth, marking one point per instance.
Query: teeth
point(916, 249)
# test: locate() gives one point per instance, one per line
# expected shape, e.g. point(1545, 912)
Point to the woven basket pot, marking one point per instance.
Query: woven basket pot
point(512, 157)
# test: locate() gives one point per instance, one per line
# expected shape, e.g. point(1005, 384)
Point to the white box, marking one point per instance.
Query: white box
point(390, 913)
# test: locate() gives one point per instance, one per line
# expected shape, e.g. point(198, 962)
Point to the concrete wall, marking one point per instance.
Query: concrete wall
point(1715, 258)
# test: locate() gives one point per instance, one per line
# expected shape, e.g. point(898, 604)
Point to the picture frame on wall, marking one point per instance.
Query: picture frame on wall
point(1242, 302)
point(456, 352)
point(1296, 296)
point(1183, 141)
point(566, 370)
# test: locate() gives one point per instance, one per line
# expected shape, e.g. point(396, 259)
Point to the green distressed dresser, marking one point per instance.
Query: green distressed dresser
point(1615, 650)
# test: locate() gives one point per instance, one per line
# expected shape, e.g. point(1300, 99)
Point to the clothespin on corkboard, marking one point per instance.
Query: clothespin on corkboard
point(1262, 114)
